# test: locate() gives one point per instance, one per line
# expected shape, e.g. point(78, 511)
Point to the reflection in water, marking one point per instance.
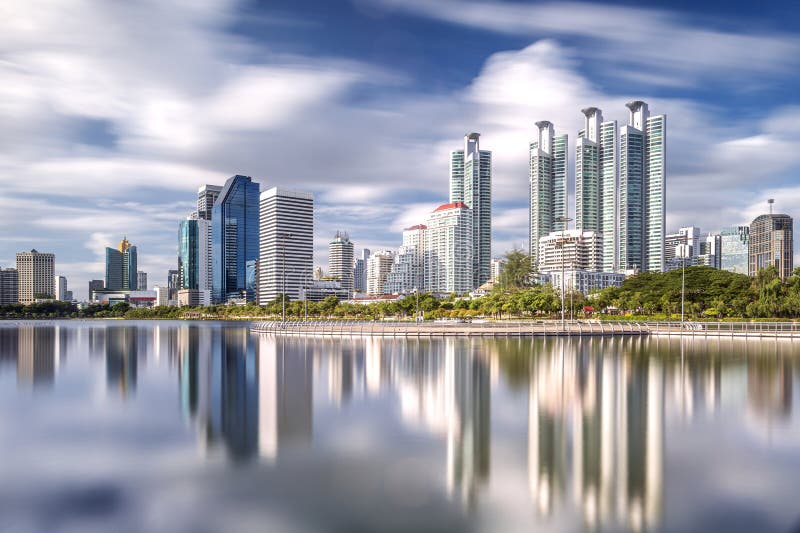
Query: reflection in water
point(596, 408)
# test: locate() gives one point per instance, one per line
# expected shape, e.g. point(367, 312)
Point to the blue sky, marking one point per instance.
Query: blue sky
point(114, 113)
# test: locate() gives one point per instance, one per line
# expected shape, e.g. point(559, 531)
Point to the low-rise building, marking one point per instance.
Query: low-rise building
point(194, 297)
point(583, 281)
point(574, 249)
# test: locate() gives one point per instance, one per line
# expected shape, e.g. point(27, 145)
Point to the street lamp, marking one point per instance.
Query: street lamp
point(564, 221)
point(284, 236)
point(683, 284)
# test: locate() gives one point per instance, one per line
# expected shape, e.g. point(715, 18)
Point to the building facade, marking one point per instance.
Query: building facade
point(448, 249)
point(121, 267)
point(9, 286)
point(571, 250)
point(60, 288)
point(736, 249)
point(340, 261)
point(206, 198)
point(360, 271)
point(234, 239)
point(548, 185)
point(772, 244)
point(35, 276)
point(95, 285)
point(194, 297)
point(193, 254)
point(141, 280)
point(286, 261)
point(583, 281)
point(379, 265)
point(471, 183)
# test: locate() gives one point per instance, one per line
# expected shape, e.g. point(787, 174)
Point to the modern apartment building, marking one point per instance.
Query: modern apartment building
point(448, 249)
point(471, 183)
point(548, 185)
point(9, 286)
point(193, 261)
point(642, 190)
point(286, 261)
point(596, 154)
point(772, 244)
point(121, 266)
point(360, 271)
point(234, 239)
point(574, 249)
point(379, 265)
point(340, 260)
point(35, 276)
point(736, 249)
point(408, 273)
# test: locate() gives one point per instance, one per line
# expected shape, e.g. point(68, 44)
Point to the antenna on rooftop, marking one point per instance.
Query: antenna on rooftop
point(770, 202)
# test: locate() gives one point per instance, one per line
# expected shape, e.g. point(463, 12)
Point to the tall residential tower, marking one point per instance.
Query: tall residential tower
point(548, 184)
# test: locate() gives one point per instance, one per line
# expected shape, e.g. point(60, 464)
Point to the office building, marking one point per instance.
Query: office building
point(573, 249)
point(318, 290)
point(360, 271)
point(9, 286)
point(471, 183)
point(682, 248)
point(121, 266)
point(771, 244)
point(95, 285)
point(193, 297)
point(711, 251)
point(193, 254)
point(596, 181)
point(206, 198)
point(548, 185)
point(162, 296)
point(35, 276)
point(287, 243)
point(642, 190)
point(583, 281)
point(379, 265)
point(68, 296)
point(408, 270)
point(141, 280)
point(340, 260)
point(498, 265)
point(60, 288)
point(736, 249)
point(234, 239)
point(448, 249)
point(173, 284)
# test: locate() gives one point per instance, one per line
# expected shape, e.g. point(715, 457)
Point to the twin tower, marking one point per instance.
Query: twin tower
point(619, 186)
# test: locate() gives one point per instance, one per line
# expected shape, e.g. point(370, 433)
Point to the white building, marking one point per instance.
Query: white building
point(408, 272)
point(548, 184)
point(379, 265)
point(498, 265)
point(360, 271)
point(571, 250)
point(286, 247)
point(162, 295)
point(194, 297)
point(583, 281)
point(340, 260)
point(35, 275)
point(60, 288)
point(448, 249)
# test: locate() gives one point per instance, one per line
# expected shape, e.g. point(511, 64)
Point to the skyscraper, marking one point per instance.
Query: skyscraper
point(9, 286)
point(206, 197)
point(340, 260)
point(379, 265)
point(287, 243)
point(60, 288)
point(736, 249)
point(448, 249)
point(234, 236)
point(35, 276)
point(407, 274)
point(772, 244)
point(141, 280)
point(548, 184)
point(193, 254)
point(642, 191)
point(360, 271)
point(596, 181)
point(471, 183)
point(121, 267)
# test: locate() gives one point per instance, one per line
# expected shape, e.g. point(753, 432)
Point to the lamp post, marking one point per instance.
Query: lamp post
point(683, 286)
point(564, 221)
point(284, 236)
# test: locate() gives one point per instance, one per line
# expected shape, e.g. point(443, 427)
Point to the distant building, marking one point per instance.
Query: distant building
point(571, 250)
point(408, 270)
point(498, 265)
point(141, 280)
point(95, 285)
point(9, 286)
point(318, 290)
point(35, 276)
point(162, 295)
point(60, 288)
point(68, 296)
point(121, 266)
point(448, 249)
point(206, 198)
point(736, 249)
point(360, 271)
point(711, 251)
point(142, 299)
point(193, 261)
point(771, 244)
point(379, 265)
point(194, 297)
point(234, 236)
point(548, 184)
point(583, 281)
point(173, 284)
point(340, 260)
point(682, 248)
point(287, 243)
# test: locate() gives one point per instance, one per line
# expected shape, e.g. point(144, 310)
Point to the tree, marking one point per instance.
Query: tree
point(517, 272)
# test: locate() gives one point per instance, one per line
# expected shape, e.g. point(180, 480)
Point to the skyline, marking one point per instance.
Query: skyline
point(120, 120)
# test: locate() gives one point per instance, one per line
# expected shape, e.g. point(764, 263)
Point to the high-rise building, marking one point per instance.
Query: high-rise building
point(121, 267)
point(408, 274)
point(173, 284)
point(711, 251)
point(287, 243)
point(573, 249)
point(141, 280)
point(360, 271)
point(736, 249)
point(682, 248)
point(548, 184)
point(772, 244)
point(193, 254)
point(596, 181)
point(340, 260)
point(95, 285)
point(471, 183)
point(498, 265)
point(35, 276)
point(448, 249)
point(9, 286)
point(642, 190)
point(206, 198)
point(379, 265)
point(234, 236)
point(60, 288)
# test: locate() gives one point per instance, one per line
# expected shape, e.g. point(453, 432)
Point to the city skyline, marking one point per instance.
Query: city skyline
point(87, 162)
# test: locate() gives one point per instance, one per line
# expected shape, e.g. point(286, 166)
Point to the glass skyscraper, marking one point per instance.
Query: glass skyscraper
point(193, 254)
point(735, 249)
point(121, 267)
point(234, 238)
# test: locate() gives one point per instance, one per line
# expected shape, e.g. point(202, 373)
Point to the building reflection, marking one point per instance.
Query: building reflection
point(122, 359)
point(36, 355)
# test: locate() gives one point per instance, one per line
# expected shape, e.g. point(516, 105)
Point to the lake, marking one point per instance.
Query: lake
point(202, 427)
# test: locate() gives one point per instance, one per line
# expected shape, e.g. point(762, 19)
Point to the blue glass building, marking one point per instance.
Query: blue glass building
point(234, 238)
point(121, 267)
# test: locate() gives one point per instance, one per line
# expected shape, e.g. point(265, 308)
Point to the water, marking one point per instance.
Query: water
point(171, 426)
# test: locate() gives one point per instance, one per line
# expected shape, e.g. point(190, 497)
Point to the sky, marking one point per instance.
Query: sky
point(113, 113)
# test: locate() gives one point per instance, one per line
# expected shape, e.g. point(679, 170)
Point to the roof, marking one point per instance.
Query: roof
point(451, 205)
point(416, 226)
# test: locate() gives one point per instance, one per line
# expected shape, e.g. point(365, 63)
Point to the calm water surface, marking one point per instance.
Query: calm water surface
point(194, 427)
